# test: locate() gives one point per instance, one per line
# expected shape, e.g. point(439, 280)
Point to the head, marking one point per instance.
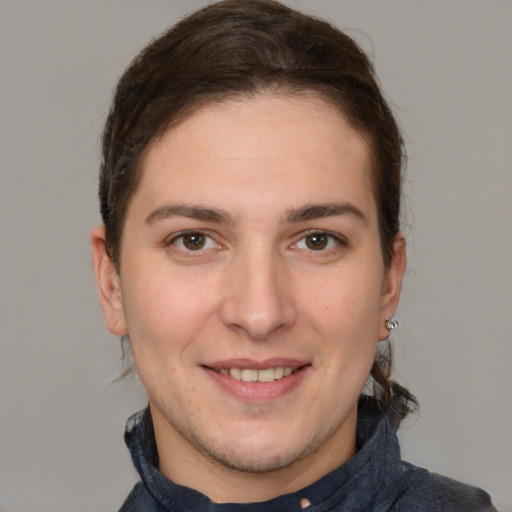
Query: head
point(234, 49)
point(227, 63)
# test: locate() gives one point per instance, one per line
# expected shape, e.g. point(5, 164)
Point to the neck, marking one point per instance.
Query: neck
point(182, 463)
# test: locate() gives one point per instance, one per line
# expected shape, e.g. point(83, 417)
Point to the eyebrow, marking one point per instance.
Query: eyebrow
point(191, 211)
point(304, 213)
point(318, 211)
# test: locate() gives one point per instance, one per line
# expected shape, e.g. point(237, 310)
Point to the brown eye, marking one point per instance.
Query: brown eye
point(188, 242)
point(317, 241)
point(194, 241)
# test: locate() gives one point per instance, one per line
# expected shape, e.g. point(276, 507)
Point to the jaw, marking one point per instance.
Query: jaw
point(256, 459)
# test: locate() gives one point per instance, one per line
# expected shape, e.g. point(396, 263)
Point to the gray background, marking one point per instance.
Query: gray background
point(446, 65)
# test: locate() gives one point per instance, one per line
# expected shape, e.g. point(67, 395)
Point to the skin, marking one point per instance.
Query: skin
point(243, 176)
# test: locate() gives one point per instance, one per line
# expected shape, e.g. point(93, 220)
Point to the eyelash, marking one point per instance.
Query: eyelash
point(338, 241)
point(180, 236)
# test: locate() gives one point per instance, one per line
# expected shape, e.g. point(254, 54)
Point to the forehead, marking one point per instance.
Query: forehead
point(268, 147)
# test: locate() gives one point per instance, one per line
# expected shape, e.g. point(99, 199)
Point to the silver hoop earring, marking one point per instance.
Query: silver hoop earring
point(391, 324)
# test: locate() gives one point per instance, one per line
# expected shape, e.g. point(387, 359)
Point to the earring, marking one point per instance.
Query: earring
point(391, 323)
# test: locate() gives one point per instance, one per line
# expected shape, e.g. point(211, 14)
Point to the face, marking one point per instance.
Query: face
point(252, 283)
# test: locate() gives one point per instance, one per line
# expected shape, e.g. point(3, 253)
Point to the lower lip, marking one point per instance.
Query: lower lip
point(258, 391)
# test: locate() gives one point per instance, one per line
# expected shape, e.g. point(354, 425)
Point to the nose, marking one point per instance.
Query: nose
point(259, 296)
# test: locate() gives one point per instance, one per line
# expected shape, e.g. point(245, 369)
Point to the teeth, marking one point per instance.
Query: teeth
point(250, 375)
point(265, 375)
point(236, 373)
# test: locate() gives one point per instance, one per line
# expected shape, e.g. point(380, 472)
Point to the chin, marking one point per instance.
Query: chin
point(257, 460)
point(258, 450)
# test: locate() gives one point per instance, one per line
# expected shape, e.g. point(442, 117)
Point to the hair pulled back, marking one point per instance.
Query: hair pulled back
point(236, 49)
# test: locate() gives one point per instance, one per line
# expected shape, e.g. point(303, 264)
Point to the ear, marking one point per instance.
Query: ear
point(108, 283)
point(392, 285)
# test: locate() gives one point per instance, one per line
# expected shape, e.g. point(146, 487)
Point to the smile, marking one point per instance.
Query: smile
point(252, 375)
point(258, 381)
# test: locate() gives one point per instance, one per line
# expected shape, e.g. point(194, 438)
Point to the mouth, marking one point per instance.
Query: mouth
point(258, 381)
point(270, 374)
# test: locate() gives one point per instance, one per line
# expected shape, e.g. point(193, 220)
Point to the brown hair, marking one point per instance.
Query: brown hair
point(239, 48)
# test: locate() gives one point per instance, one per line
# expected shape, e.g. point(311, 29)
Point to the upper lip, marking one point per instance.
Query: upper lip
point(252, 364)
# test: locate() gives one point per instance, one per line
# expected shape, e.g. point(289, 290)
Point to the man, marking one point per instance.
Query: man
point(251, 253)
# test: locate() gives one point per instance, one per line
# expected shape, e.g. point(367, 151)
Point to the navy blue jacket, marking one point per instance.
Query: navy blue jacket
point(375, 479)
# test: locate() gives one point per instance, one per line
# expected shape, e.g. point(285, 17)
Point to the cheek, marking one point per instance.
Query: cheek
point(164, 309)
point(346, 319)
point(347, 301)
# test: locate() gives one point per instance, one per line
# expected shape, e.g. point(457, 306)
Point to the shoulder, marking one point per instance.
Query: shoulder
point(424, 491)
point(139, 500)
